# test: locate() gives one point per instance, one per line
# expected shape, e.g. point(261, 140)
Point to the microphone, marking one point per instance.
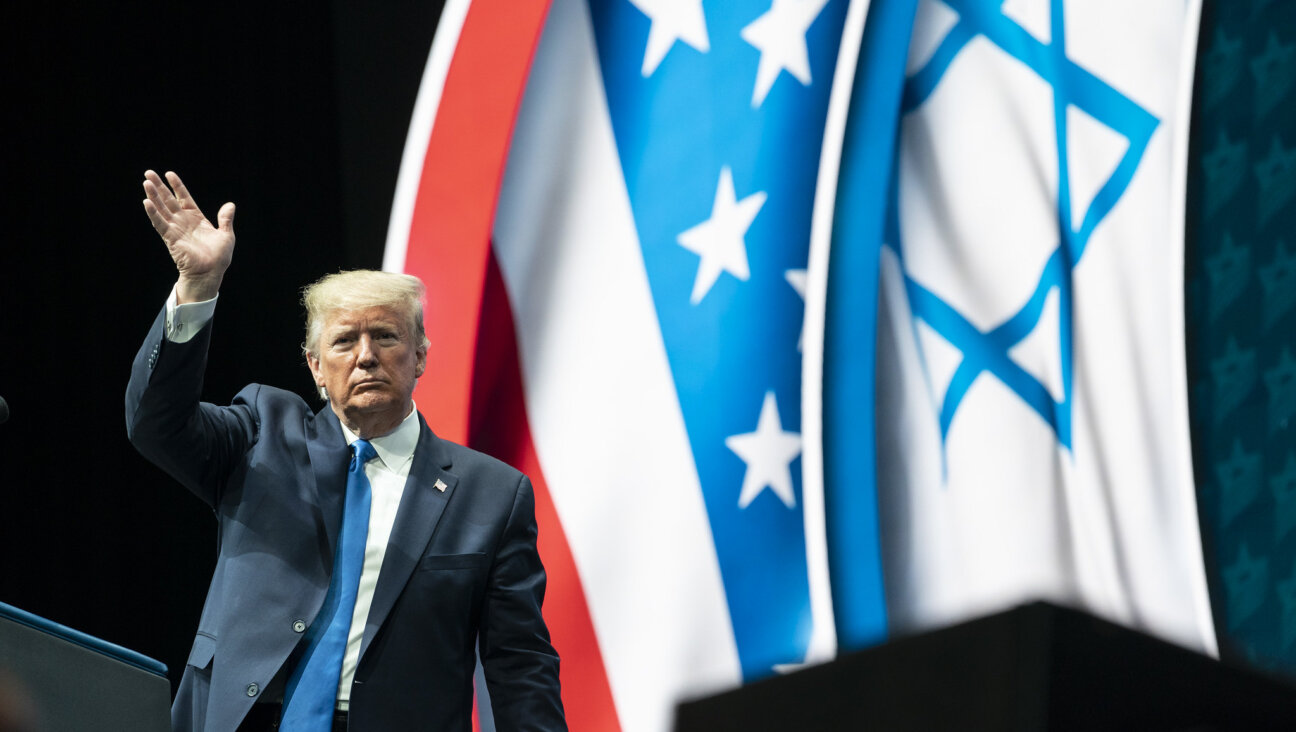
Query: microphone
point(4, 411)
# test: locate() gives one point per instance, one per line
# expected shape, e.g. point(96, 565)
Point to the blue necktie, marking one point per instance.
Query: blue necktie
point(311, 694)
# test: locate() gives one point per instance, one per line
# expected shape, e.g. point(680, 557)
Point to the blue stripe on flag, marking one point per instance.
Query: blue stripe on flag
point(731, 337)
point(867, 167)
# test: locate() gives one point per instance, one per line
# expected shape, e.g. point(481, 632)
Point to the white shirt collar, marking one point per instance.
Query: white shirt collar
point(396, 448)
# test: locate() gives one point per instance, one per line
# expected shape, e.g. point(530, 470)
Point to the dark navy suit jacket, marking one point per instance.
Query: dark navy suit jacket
point(461, 568)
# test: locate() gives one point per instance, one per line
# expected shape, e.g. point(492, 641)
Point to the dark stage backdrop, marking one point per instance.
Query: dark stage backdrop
point(298, 114)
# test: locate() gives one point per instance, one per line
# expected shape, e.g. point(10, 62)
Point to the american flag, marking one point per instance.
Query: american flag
point(624, 321)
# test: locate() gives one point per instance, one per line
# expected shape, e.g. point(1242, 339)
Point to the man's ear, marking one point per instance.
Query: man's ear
point(312, 361)
point(420, 361)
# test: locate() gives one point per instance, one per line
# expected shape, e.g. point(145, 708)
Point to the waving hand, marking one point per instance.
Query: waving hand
point(201, 252)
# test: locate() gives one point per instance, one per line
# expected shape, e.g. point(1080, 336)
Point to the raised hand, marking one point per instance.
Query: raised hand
point(201, 252)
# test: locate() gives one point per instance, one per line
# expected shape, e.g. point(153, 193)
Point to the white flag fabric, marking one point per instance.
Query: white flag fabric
point(1032, 412)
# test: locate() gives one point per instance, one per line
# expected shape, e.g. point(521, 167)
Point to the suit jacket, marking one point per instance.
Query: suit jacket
point(461, 567)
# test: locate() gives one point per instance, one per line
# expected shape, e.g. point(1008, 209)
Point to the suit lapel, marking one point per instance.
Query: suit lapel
point(421, 506)
point(329, 457)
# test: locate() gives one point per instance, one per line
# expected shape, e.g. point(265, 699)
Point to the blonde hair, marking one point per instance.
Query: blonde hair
point(359, 289)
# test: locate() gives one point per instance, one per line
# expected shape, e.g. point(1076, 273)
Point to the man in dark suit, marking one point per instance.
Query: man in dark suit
point(361, 558)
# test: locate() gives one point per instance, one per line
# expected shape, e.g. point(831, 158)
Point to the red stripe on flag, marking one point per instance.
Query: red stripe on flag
point(472, 389)
point(500, 428)
point(450, 227)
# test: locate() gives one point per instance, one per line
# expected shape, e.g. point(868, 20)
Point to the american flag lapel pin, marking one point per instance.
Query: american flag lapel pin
point(439, 485)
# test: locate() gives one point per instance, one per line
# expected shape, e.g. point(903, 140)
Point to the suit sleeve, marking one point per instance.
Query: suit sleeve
point(196, 443)
point(520, 664)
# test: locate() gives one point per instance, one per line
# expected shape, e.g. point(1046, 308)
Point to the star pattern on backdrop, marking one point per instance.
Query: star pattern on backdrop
point(1274, 66)
point(1282, 488)
point(1276, 178)
point(1280, 383)
point(1223, 168)
point(1278, 282)
point(1274, 74)
point(719, 240)
point(1234, 373)
point(1242, 324)
point(780, 36)
point(1230, 267)
point(768, 452)
point(1239, 477)
point(1281, 379)
point(672, 20)
point(1245, 580)
point(1281, 269)
point(1286, 593)
point(1221, 66)
point(721, 190)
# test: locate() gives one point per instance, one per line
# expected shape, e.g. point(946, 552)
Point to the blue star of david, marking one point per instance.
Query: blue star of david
point(987, 351)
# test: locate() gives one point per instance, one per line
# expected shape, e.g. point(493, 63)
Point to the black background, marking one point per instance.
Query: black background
point(298, 114)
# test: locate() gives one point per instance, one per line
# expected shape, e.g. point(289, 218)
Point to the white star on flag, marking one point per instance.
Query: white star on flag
point(672, 20)
point(797, 278)
point(779, 35)
point(719, 239)
point(768, 452)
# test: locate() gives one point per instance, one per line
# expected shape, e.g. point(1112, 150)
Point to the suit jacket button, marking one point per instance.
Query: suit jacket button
point(299, 626)
point(252, 689)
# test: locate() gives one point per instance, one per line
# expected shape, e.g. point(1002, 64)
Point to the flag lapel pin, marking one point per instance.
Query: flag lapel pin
point(440, 485)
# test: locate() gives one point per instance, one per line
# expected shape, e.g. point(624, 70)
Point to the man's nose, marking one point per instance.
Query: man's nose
point(367, 356)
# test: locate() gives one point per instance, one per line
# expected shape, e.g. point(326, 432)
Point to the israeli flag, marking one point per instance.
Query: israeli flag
point(1032, 432)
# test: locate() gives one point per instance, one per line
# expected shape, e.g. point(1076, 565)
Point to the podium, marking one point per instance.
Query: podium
point(56, 679)
point(1035, 667)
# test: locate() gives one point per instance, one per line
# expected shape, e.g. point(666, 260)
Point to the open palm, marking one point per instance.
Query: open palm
point(201, 252)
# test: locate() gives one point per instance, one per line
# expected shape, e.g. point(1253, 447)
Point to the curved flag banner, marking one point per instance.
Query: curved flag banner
point(679, 253)
point(1032, 431)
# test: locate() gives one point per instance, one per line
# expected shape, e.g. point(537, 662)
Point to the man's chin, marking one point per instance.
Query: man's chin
point(370, 402)
point(371, 416)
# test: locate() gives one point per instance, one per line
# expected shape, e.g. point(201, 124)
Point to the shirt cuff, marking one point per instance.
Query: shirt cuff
point(184, 321)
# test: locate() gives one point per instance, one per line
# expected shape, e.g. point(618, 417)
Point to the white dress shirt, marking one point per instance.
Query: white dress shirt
point(387, 474)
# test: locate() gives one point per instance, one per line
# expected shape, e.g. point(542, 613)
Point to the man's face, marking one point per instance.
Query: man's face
point(368, 362)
